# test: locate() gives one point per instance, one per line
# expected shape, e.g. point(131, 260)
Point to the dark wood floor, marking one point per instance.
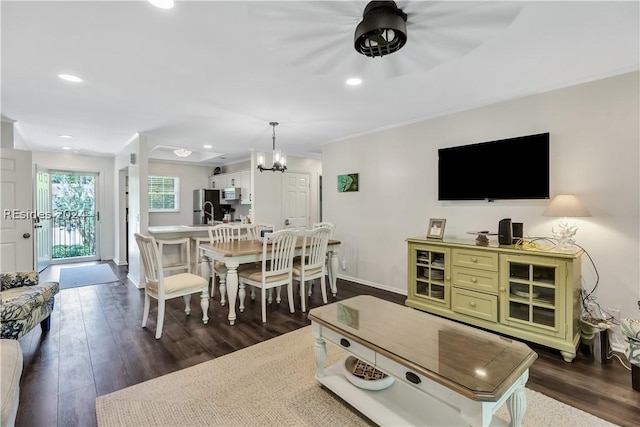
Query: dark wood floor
point(96, 346)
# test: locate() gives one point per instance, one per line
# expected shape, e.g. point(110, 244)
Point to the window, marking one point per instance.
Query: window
point(164, 193)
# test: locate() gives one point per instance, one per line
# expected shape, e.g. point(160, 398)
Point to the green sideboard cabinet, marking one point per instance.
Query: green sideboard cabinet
point(528, 294)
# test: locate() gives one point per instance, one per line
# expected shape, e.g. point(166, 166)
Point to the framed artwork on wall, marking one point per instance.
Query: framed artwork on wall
point(436, 228)
point(348, 182)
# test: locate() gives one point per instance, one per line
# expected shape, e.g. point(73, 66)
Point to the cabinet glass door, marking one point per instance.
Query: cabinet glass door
point(430, 274)
point(532, 293)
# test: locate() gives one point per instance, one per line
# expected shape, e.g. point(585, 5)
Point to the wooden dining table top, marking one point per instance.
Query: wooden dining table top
point(247, 247)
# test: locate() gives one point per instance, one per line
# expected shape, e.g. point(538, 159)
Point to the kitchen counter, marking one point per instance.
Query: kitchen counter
point(178, 231)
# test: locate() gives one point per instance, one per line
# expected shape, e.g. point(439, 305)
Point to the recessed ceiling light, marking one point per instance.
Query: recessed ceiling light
point(162, 4)
point(207, 146)
point(65, 136)
point(354, 81)
point(70, 78)
point(66, 148)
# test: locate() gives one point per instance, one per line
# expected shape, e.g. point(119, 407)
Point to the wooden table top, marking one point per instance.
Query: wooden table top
point(247, 247)
point(477, 364)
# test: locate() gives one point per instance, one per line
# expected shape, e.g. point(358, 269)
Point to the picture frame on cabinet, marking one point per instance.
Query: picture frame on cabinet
point(435, 230)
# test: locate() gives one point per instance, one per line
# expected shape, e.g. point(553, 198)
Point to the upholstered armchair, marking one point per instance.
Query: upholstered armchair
point(24, 303)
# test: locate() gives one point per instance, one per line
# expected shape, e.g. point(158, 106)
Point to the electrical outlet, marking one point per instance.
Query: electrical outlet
point(615, 312)
point(344, 264)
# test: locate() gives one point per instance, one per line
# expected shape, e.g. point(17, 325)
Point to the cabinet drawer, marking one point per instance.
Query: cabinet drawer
point(476, 279)
point(350, 345)
point(483, 260)
point(475, 304)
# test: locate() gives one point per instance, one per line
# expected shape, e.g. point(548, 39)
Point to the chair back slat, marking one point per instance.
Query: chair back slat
point(331, 226)
point(151, 259)
point(280, 248)
point(314, 249)
point(224, 233)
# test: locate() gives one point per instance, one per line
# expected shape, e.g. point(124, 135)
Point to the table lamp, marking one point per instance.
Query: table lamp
point(565, 206)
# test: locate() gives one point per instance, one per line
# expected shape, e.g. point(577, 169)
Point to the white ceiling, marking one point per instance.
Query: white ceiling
point(216, 72)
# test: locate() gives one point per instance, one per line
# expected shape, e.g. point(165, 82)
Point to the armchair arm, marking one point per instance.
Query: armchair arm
point(18, 279)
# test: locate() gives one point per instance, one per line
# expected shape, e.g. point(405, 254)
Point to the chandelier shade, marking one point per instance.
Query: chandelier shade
point(279, 159)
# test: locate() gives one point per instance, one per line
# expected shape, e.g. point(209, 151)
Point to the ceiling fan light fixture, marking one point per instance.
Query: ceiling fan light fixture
point(383, 29)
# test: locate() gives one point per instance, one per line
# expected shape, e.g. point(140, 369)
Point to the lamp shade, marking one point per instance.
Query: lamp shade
point(566, 205)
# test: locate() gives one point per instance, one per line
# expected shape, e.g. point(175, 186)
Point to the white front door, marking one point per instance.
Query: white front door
point(43, 222)
point(295, 199)
point(16, 226)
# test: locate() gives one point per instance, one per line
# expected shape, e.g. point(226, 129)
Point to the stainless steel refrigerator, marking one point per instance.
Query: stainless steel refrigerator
point(206, 206)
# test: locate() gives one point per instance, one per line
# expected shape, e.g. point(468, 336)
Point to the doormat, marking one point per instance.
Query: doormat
point(74, 277)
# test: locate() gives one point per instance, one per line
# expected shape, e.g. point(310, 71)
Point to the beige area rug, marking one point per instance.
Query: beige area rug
point(270, 384)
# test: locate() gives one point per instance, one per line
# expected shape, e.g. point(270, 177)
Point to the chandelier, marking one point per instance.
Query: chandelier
point(181, 152)
point(279, 159)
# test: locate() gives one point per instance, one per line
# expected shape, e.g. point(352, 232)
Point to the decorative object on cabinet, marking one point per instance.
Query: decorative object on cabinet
point(348, 182)
point(217, 170)
point(482, 238)
point(565, 206)
point(527, 293)
point(181, 152)
point(279, 159)
point(436, 228)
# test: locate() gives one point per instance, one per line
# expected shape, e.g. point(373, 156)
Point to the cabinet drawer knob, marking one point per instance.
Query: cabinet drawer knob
point(474, 280)
point(345, 342)
point(474, 259)
point(502, 289)
point(472, 304)
point(413, 378)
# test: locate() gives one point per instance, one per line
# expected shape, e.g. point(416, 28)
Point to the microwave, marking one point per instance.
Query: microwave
point(230, 194)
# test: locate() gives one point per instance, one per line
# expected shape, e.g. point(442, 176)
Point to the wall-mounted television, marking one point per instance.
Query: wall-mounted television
point(513, 168)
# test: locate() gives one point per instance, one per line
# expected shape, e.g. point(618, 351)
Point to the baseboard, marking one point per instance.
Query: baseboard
point(372, 284)
point(118, 262)
point(135, 282)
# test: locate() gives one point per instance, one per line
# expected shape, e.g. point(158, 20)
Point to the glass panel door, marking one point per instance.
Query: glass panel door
point(430, 274)
point(75, 216)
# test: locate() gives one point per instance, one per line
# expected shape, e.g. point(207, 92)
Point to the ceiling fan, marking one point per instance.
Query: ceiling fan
point(382, 39)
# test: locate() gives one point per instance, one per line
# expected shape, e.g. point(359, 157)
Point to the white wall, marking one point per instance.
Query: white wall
point(95, 164)
point(267, 186)
point(594, 130)
point(191, 177)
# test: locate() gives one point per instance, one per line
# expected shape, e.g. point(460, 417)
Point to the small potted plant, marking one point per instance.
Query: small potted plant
point(631, 331)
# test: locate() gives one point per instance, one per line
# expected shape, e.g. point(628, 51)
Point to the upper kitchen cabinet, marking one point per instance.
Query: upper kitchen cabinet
point(240, 179)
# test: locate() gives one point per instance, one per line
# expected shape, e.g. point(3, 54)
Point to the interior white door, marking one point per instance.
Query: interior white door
point(43, 221)
point(295, 199)
point(16, 224)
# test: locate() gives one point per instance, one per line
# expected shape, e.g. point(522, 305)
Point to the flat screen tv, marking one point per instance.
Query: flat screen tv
point(513, 168)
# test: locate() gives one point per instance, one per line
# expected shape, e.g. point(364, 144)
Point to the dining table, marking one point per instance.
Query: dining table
point(237, 252)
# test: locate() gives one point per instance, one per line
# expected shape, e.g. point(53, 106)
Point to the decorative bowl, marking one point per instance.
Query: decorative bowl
point(365, 376)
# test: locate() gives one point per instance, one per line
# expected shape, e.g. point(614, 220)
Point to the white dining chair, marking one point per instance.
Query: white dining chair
point(163, 288)
point(276, 269)
point(221, 233)
point(331, 226)
point(257, 230)
point(175, 254)
point(312, 265)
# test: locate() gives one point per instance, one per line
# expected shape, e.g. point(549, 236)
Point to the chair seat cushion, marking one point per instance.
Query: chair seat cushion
point(181, 282)
point(255, 275)
point(219, 266)
point(297, 270)
point(19, 303)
